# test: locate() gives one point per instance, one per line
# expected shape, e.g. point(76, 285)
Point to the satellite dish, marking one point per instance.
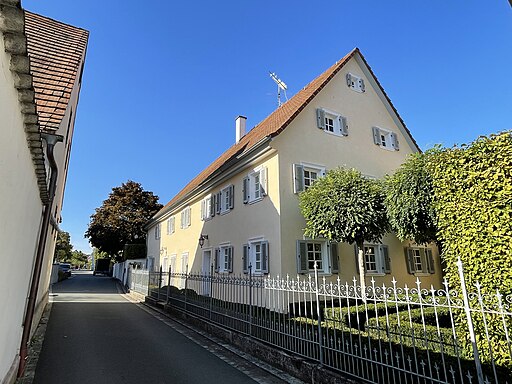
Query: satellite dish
point(280, 86)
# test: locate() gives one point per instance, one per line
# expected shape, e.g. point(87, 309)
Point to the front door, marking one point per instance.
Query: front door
point(207, 260)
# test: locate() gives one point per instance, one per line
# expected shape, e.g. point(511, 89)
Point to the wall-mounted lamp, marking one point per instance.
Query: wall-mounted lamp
point(162, 250)
point(202, 238)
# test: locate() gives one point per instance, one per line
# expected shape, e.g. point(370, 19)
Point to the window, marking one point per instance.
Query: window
point(184, 267)
point(207, 208)
point(255, 256)
point(304, 175)
point(225, 200)
point(324, 254)
point(157, 231)
point(165, 264)
point(331, 122)
point(185, 218)
point(385, 139)
point(419, 260)
point(224, 258)
point(255, 185)
point(376, 259)
point(171, 225)
point(356, 83)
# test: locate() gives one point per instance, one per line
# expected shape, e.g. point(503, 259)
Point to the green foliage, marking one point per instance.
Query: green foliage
point(79, 258)
point(473, 199)
point(121, 218)
point(63, 248)
point(409, 200)
point(134, 251)
point(344, 206)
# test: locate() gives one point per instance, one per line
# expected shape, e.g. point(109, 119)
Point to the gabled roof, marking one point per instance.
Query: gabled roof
point(55, 51)
point(272, 126)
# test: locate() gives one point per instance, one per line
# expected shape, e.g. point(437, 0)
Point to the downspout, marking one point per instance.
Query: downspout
point(51, 140)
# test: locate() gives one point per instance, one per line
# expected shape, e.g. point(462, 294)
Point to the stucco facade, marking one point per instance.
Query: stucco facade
point(40, 79)
point(332, 122)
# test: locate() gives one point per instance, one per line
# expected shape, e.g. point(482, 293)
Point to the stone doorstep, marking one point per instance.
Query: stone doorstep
point(301, 368)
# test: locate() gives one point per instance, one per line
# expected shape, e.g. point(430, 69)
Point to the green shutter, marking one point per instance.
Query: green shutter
point(217, 259)
point(409, 260)
point(302, 257)
point(298, 178)
point(430, 261)
point(230, 259)
point(245, 258)
point(334, 258)
point(264, 256)
point(231, 196)
point(386, 260)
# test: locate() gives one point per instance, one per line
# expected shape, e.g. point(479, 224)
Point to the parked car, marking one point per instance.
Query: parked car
point(65, 268)
point(102, 267)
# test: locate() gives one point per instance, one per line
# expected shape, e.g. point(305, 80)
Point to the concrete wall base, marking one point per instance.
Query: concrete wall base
point(301, 368)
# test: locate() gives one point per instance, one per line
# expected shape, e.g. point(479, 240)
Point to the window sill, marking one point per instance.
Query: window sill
point(224, 212)
point(334, 133)
point(390, 149)
point(421, 274)
point(255, 200)
point(375, 274)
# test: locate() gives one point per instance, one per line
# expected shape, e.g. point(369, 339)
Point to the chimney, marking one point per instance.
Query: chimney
point(240, 127)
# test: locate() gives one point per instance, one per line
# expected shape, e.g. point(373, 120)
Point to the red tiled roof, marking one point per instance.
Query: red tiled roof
point(55, 51)
point(274, 124)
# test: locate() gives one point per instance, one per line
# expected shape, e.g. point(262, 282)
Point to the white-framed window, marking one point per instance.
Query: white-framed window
point(419, 260)
point(225, 200)
point(224, 258)
point(184, 267)
point(157, 231)
point(185, 218)
point(255, 185)
point(321, 252)
point(331, 122)
point(304, 175)
point(356, 83)
point(207, 208)
point(385, 139)
point(376, 259)
point(172, 266)
point(255, 256)
point(165, 264)
point(171, 224)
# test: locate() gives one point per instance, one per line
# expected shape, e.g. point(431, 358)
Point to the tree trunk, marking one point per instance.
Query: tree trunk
point(360, 257)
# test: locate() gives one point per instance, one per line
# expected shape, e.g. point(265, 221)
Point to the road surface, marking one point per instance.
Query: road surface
point(95, 335)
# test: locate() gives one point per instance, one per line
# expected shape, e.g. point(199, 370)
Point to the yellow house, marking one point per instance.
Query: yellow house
point(244, 206)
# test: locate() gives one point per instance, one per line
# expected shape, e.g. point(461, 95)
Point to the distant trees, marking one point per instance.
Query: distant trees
point(121, 218)
point(63, 248)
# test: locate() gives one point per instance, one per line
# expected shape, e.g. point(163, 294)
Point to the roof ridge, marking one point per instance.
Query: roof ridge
point(271, 126)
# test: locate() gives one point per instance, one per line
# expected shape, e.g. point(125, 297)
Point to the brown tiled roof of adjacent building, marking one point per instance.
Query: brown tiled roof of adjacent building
point(55, 51)
point(271, 126)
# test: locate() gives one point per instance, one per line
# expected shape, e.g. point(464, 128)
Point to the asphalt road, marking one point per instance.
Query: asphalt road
point(95, 335)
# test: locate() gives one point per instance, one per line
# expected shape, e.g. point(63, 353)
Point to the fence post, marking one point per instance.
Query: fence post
point(250, 299)
point(211, 293)
point(149, 283)
point(319, 321)
point(467, 309)
point(168, 286)
point(159, 283)
point(186, 287)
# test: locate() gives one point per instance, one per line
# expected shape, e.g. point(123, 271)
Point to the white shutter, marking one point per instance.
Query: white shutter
point(245, 258)
point(245, 190)
point(203, 209)
point(263, 182)
point(376, 136)
point(343, 126)
point(320, 118)
point(298, 178)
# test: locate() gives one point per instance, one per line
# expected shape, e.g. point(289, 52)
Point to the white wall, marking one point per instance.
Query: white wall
point(20, 217)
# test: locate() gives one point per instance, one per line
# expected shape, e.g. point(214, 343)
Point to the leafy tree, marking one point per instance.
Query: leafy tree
point(121, 218)
point(79, 258)
point(409, 195)
point(63, 248)
point(346, 207)
point(472, 188)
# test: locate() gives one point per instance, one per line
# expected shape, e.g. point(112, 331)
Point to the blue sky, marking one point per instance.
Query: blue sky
point(164, 80)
